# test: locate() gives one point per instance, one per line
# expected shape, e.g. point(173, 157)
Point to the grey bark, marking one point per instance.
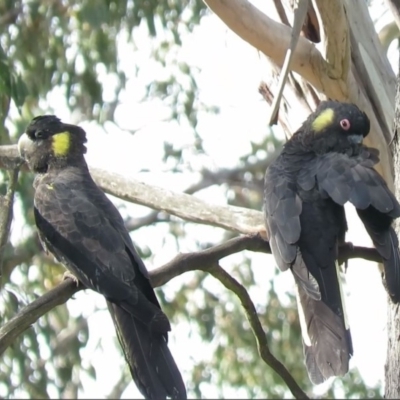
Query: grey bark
point(392, 367)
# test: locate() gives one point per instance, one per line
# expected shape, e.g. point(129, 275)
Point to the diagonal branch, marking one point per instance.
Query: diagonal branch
point(185, 206)
point(182, 205)
point(273, 39)
point(232, 284)
point(299, 18)
point(205, 260)
point(33, 311)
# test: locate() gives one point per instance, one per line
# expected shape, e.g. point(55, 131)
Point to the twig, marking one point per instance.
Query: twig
point(33, 311)
point(232, 284)
point(299, 17)
point(197, 261)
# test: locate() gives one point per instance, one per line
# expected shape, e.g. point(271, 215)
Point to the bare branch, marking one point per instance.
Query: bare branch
point(182, 205)
point(6, 213)
point(388, 33)
point(201, 260)
point(232, 284)
point(299, 18)
point(205, 260)
point(336, 37)
point(132, 223)
point(347, 251)
point(33, 311)
point(273, 39)
point(187, 207)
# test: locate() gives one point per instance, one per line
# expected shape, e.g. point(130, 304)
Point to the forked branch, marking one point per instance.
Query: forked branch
point(205, 260)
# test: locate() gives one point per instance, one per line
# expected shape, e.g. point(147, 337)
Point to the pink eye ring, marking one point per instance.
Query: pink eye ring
point(345, 124)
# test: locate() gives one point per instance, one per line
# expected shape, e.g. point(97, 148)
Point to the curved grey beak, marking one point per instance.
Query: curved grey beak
point(356, 139)
point(25, 145)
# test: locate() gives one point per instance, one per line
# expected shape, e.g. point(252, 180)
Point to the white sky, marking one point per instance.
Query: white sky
point(229, 74)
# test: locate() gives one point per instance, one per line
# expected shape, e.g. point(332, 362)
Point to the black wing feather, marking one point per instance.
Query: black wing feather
point(282, 211)
point(354, 179)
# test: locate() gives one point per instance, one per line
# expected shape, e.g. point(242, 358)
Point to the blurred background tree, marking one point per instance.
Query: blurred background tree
point(90, 60)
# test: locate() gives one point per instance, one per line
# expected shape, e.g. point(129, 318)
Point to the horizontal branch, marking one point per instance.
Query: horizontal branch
point(185, 206)
point(205, 260)
point(201, 260)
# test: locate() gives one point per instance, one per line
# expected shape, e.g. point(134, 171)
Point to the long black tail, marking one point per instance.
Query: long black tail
point(151, 363)
point(326, 336)
point(385, 240)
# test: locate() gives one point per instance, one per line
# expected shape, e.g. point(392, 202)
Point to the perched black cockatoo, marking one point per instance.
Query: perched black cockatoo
point(81, 227)
point(323, 166)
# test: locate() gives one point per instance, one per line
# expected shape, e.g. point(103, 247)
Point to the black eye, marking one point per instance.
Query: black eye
point(39, 134)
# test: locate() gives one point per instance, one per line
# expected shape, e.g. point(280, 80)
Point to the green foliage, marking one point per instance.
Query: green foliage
point(65, 43)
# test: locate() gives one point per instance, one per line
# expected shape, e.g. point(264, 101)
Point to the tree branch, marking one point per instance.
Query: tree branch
point(182, 205)
point(201, 260)
point(335, 35)
point(231, 175)
point(209, 257)
point(232, 284)
point(273, 39)
point(6, 213)
point(300, 15)
point(206, 260)
point(33, 311)
point(187, 207)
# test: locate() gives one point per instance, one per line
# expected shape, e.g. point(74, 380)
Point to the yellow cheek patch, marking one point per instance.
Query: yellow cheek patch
point(323, 120)
point(61, 144)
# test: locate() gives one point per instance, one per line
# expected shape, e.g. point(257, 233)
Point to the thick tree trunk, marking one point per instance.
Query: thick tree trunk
point(392, 369)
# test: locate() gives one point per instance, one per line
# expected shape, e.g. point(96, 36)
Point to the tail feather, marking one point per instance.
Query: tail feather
point(392, 267)
point(385, 240)
point(326, 336)
point(150, 361)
